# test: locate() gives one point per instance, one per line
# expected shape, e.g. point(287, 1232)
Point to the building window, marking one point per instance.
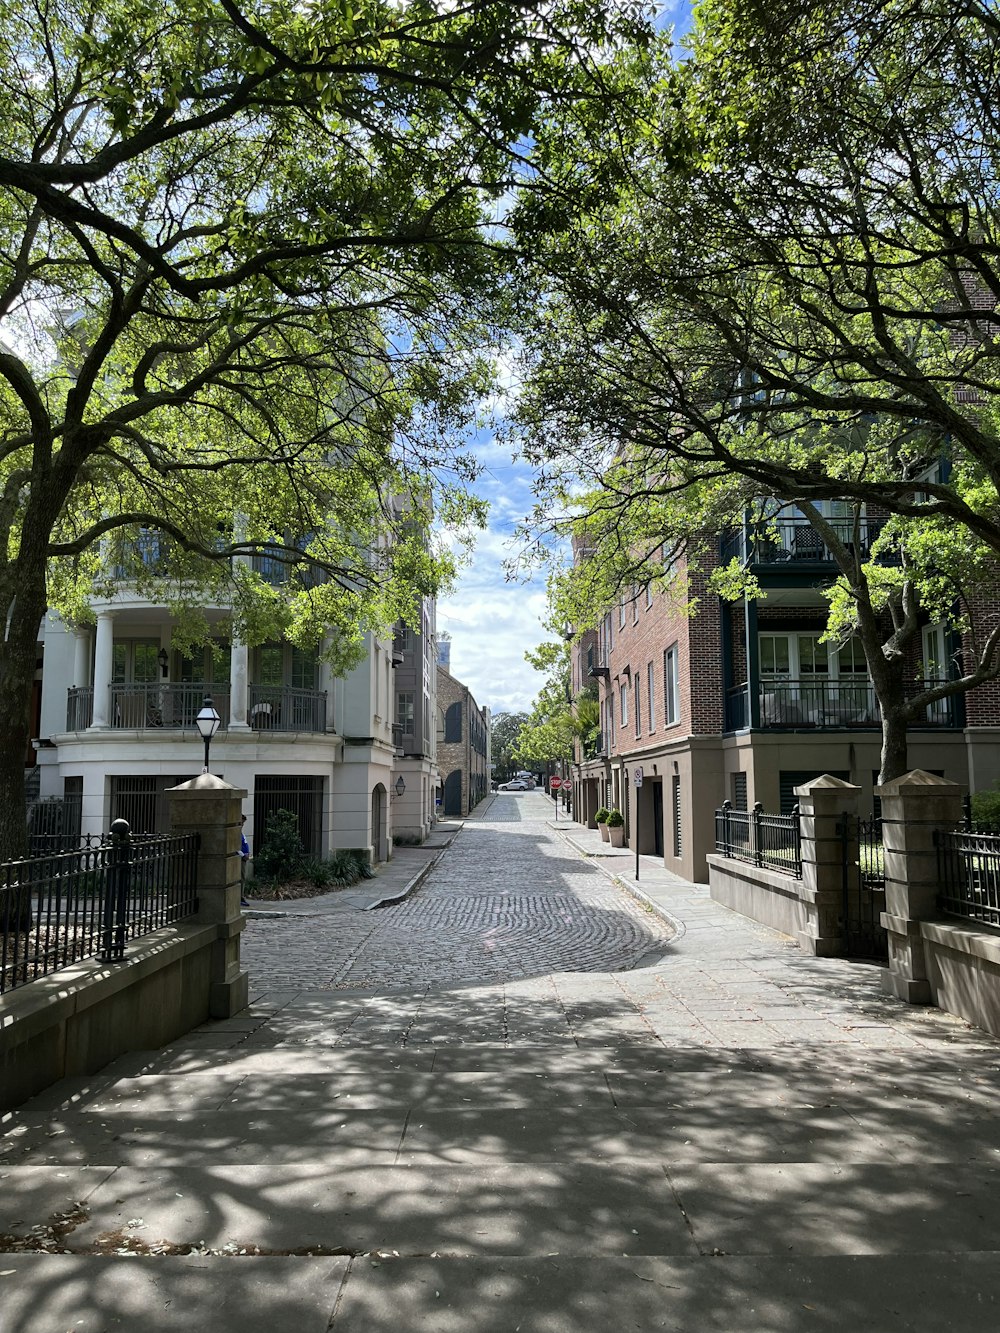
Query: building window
point(671, 686)
point(404, 711)
point(649, 595)
point(135, 661)
point(402, 640)
point(638, 709)
point(453, 723)
point(303, 796)
point(621, 612)
point(623, 693)
point(651, 700)
point(280, 665)
point(805, 680)
point(635, 604)
point(936, 667)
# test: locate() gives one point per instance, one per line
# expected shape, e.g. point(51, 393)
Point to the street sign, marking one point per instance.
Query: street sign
point(555, 783)
point(637, 777)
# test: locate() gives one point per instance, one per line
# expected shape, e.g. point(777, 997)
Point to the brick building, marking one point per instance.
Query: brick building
point(744, 702)
point(463, 750)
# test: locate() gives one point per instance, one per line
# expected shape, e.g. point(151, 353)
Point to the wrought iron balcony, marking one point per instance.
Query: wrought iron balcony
point(824, 704)
point(280, 708)
point(794, 541)
point(154, 707)
point(79, 707)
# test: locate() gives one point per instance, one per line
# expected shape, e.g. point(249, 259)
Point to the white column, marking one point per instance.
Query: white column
point(81, 658)
point(103, 668)
point(239, 674)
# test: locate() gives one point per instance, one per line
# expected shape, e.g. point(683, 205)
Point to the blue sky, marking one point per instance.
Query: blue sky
point(493, 622)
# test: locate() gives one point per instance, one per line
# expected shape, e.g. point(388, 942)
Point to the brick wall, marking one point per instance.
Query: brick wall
point(468, 754)
point(652, 625)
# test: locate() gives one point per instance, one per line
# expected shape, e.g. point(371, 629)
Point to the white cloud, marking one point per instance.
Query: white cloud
point(493, 622)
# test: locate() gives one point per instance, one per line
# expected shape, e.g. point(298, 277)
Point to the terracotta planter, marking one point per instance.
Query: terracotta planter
point(617, 836)
point(605, 835)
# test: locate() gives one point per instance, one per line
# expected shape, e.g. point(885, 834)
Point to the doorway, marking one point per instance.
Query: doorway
point(380, 850)
point(658, 818)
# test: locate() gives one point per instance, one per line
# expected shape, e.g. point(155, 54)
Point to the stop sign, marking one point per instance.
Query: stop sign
point(555, 783)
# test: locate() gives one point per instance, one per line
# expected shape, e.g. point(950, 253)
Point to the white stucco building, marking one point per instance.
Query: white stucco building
point(116, 728)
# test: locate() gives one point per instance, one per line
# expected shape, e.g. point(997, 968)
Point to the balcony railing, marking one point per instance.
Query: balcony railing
point(796, 541)
point(147, 549)
point(157, 707)
point(827, 704)
point(172, 706)
point(276, 708)
point(79, 707)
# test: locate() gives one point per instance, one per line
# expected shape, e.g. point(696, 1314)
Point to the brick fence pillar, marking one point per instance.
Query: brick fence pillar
point(822, 805)
point(913, 806)
point(210, 807)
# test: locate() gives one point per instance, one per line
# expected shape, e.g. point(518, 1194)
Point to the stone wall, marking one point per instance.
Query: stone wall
point(80, 1018)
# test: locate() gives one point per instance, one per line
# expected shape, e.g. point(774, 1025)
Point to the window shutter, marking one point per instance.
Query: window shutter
point(453, 723)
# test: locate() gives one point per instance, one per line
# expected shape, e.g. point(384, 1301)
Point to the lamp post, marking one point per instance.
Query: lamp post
point(400, 785)
point(208, 722)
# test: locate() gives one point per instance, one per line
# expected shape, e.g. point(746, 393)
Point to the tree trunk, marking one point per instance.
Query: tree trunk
point(18, 654)
point(894, 743)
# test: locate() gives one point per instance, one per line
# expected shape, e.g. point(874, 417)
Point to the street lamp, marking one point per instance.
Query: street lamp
point(208, 722)
point(400, 785)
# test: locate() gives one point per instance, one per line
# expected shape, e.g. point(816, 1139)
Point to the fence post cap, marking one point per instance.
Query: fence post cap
point(825, 783)
point(206, 782)
point(917, 780)
point(120, 830)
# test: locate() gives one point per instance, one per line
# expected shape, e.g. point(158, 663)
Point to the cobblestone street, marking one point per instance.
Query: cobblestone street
point(513, 1101)
point(507, 900)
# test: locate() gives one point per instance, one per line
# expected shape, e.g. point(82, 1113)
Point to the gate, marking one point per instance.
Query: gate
point(863, 862)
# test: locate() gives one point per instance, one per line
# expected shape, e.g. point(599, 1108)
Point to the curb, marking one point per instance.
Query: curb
point(390, 899)
point(678, 926)
point(387, 899)
point(633, 890)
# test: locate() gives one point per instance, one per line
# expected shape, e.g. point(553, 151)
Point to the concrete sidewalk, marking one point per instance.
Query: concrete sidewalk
point(394, 880)
point(736, 1137)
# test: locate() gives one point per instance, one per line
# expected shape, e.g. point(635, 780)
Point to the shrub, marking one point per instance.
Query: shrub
point(317, 872)
point(986, 808)
point(362, 863)
point(615, 819)
point(601, 817)
point(281, 854)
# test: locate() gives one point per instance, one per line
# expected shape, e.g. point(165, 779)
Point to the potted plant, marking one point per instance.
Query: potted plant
point(601, 820)
point(616, 828)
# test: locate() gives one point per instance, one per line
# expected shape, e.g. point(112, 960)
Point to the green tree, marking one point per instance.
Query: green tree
point(251, 277)
point(785, 287)
point(505, 728)
point(557, 720)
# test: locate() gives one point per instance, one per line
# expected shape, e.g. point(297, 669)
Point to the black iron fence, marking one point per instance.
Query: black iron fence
point(863, 862)
point(969, 874)
point(758, 837)
point(59, 908)
point(54, 824)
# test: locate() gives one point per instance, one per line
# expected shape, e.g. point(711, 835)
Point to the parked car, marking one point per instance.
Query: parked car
point(516, 784)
